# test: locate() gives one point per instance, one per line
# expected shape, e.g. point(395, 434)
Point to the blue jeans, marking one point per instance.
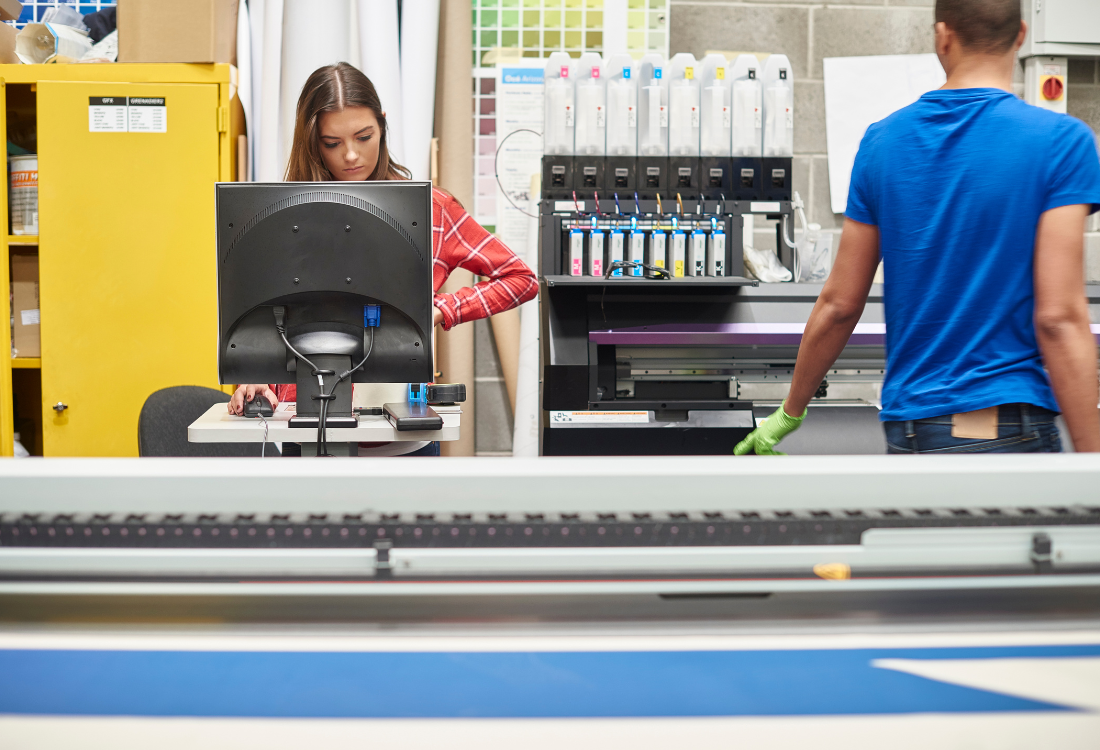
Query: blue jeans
point(1022, 428)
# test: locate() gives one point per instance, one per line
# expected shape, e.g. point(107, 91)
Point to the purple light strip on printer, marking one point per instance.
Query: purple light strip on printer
point(726, 334)
point(731, 334)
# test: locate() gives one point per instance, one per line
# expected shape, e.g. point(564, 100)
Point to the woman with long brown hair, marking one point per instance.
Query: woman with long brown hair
point(340, 134)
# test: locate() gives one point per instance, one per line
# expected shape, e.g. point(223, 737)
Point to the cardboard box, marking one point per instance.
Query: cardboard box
point(180, 31)
point(7, 44)
point(24, 300)
point(10, 10)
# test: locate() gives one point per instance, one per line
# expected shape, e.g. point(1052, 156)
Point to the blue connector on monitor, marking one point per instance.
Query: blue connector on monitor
point(372, 316)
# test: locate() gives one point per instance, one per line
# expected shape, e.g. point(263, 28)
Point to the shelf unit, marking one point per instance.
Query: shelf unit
point(682, 282)
point(127, 279)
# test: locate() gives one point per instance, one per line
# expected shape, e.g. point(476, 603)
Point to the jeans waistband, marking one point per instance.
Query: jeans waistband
point(1007, 414)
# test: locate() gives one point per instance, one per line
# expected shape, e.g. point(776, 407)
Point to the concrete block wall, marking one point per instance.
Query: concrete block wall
point(807, 31)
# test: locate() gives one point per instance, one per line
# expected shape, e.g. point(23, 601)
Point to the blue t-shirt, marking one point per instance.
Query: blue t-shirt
point(956, 183)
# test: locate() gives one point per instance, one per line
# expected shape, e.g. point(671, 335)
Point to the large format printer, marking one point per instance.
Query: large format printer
point(654, 340)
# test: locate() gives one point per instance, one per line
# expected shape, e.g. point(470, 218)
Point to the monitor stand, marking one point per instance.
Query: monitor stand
point(308, 407)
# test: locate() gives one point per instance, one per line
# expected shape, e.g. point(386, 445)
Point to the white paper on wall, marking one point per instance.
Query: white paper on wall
point(519, 92)
point(860, 91)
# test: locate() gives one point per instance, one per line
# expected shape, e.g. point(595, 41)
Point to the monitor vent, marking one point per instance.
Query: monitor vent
point(323, 196)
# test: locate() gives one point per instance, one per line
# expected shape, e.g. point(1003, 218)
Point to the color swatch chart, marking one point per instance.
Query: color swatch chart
point(535, 28)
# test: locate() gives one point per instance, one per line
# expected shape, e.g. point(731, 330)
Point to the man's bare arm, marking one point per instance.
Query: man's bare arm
point(1062, 322)
point(836, 313)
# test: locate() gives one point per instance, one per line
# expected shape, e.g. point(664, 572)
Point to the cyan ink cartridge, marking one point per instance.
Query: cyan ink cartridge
point(637, 252)
point(616, 250)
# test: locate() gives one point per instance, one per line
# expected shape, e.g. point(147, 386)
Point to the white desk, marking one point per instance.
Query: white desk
point(217, 425)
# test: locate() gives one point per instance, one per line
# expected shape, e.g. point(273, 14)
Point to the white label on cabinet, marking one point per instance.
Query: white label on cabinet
point(106, 114)
point(29, 317)
point(148, 114)
point(120, 114)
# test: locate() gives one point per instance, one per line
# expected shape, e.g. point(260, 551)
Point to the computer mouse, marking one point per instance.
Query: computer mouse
point(259, 406)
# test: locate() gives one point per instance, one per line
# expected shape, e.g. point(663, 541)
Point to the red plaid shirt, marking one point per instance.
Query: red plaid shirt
point(460, 242)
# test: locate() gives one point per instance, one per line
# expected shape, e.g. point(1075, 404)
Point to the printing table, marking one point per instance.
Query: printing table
point(826, 602)
point(217, 425)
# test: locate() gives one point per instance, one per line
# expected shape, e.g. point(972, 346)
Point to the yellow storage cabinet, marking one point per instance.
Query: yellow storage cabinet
point(127, 264)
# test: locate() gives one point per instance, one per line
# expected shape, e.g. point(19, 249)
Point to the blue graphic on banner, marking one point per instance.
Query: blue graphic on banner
point(537, 684)
point(521, 75)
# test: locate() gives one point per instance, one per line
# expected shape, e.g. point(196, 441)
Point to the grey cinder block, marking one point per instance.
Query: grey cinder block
point(809, 112)
point(850, 32)
point(698, 28)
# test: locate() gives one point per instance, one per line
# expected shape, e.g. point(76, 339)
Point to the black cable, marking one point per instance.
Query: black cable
point(662, 273)
point(324, 398)
point(496, 170)
point(322, 437)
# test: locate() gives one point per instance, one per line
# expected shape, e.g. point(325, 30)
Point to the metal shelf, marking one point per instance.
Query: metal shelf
point(23, 239)
point(26, 363)
point(642, 281)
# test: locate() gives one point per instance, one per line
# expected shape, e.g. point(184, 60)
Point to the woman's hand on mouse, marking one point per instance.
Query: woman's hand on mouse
point(245, 393)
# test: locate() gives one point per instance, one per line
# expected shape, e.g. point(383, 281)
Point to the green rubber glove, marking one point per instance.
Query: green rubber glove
point(768, 432)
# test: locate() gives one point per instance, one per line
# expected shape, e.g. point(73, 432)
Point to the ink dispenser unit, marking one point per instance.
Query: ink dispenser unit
point(747, 128)
point(621, 163)
point(559, 123)
point(778, 87)
point(683, 126)
point(715, 126)
point(590, 125)
point(652, 126)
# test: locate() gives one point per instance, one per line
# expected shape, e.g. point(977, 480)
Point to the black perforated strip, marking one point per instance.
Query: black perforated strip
point(742, 528)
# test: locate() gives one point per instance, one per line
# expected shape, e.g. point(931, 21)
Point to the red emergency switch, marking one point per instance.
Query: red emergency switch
point(1053, 88)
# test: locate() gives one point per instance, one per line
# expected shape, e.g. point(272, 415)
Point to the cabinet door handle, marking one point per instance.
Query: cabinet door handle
point(60, 407)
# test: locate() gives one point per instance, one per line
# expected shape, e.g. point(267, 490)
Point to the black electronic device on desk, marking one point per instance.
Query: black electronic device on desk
point(416, 413)
point(324, 285)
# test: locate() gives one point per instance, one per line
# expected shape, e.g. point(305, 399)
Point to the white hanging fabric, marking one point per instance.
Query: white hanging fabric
point(525, 432)
point(256, 43)
point(315, 34)
point(379, 51)
point(244, 79)
point(268, 167)
point(419, 48)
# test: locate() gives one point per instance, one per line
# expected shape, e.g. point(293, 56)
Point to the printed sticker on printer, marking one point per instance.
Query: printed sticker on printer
point(599, 417)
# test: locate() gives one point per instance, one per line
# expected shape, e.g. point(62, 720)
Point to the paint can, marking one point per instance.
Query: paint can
point(23, 195)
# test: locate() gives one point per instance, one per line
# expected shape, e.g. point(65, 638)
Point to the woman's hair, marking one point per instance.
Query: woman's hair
point(331, 89)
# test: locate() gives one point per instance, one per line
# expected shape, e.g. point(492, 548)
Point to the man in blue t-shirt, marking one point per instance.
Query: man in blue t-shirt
point(977, 203)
